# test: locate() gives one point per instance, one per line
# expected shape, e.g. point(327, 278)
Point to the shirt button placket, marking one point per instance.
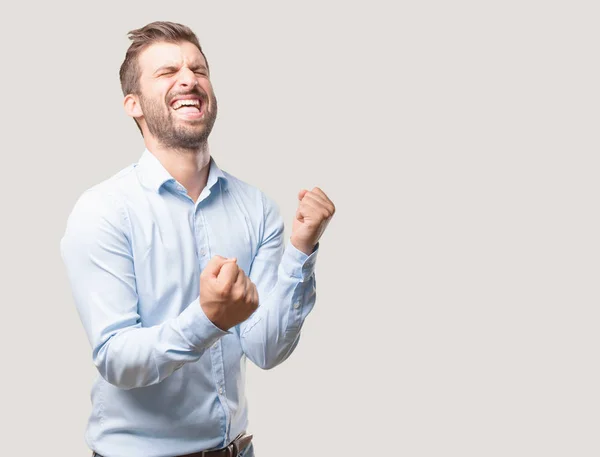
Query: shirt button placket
point(200, 232)
point(219, 374)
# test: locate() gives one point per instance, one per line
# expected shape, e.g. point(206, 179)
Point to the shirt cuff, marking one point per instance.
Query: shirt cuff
point(197, 328)
point(297, 264)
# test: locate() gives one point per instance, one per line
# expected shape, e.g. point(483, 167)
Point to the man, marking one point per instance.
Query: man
point(180, 271)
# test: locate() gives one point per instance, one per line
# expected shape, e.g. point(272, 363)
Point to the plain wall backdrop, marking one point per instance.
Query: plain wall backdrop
point(458, 303)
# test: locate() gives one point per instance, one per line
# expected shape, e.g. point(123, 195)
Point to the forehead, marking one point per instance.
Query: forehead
point(163, 53)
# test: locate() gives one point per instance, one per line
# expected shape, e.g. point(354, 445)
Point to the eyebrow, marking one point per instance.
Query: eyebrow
point(166, 67)
point(198, 66)
point(175, 68)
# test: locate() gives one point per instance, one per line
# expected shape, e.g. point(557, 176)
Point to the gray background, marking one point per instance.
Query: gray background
point(457, 309)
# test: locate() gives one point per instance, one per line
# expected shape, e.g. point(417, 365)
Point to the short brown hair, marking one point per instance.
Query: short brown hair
point(160, 31)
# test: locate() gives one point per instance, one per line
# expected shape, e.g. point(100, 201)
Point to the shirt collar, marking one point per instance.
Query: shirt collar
point(153, 174)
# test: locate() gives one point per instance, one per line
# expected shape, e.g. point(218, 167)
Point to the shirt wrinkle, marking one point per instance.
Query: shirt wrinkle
point(171, 382)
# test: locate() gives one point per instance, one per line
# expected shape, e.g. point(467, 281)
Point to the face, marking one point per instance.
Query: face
point(176, 97)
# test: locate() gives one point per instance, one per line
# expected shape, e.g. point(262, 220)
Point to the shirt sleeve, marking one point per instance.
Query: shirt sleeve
point(286, 284)
point(97, 253)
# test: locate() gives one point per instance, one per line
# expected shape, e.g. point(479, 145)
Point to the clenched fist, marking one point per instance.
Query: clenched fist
point(315, 210)
point(227, 295)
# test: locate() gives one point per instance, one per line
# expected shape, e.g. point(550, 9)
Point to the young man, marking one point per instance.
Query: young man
point(180, 271)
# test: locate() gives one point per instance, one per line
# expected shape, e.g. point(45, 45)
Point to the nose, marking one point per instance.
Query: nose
point(187, 78)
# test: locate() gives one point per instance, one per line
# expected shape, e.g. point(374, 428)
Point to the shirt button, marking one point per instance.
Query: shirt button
point(297, 305)
point(220, 391)
point(202, 252)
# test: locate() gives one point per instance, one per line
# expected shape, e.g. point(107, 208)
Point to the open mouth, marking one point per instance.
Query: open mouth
point(189, 107)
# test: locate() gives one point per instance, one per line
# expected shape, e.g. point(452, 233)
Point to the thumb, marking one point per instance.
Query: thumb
point(214, 265)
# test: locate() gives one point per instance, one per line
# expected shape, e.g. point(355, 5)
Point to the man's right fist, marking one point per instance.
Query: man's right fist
point(227, 295)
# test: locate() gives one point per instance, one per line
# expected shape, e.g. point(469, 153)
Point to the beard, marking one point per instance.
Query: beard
point(177, 133)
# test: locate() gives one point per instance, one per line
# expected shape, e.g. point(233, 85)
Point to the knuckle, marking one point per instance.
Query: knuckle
point(223, 291)
point(228, 287)
point(237, 293)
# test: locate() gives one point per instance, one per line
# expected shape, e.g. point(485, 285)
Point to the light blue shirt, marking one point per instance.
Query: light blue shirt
point(170, 381)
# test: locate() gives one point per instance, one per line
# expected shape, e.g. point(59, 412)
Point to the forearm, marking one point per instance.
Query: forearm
point(137, 357)
point(271, 334)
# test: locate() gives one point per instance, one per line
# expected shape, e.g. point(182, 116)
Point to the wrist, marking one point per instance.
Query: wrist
point(304, 247)
point(215, 317)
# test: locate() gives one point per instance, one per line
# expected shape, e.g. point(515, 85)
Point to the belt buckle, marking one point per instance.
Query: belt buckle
point(235, 449)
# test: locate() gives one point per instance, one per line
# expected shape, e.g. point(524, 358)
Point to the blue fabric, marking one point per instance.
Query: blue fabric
point(170, 381)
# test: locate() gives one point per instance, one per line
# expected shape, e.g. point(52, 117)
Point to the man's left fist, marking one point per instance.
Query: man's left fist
point(315, 210)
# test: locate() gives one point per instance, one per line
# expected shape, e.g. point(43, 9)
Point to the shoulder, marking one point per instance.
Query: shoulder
point(117, 186)
point(242, 189)
point(252, 194)
point(105, 200)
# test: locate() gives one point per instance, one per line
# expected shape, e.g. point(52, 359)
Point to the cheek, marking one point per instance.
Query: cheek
point(163, 95)
point(160, 91)
point(206, 87)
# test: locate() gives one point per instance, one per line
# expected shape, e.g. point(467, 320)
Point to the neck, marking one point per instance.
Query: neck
point(188, 166)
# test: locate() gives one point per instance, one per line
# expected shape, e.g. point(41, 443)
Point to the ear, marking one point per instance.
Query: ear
point(132, 106)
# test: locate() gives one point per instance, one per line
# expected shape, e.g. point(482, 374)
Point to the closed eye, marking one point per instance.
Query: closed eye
point(166, 70)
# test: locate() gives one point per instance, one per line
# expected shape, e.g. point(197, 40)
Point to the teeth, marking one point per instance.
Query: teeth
point(193, 102)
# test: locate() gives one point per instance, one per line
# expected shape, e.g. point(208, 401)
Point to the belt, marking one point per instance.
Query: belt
point(233, 450)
